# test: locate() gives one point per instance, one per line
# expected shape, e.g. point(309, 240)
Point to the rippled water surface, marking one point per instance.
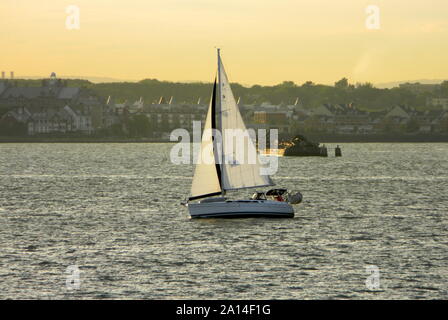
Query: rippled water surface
point(113, 210)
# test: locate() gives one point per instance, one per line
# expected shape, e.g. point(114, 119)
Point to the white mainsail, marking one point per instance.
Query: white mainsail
point(229, 165)
point(237, 174)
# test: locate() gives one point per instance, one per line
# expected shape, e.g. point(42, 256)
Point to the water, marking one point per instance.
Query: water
point(113, 210)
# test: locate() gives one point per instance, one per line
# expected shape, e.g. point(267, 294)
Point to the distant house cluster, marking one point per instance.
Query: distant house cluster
point(53, 108)
point(346, 119)
point(289, 119)
point(52, 120)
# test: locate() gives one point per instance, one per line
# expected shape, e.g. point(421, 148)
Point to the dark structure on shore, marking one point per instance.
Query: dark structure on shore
point(302, 147)
point(337, 152)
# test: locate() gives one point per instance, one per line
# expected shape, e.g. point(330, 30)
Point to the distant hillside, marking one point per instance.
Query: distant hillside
point(88, 78)
point(394, 84)
point(364, 96)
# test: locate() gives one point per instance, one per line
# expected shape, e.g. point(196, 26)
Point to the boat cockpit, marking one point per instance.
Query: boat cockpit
point(281, 195)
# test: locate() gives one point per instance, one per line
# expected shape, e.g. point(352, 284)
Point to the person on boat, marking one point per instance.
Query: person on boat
point(278, 198)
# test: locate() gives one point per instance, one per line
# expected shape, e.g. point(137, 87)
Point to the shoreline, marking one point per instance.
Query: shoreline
point(322, 138)
point(79, 140)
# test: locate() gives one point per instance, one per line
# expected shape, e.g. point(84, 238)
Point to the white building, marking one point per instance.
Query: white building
point(59, 120)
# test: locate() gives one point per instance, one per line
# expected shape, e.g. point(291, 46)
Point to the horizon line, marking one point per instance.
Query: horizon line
point(105, 79)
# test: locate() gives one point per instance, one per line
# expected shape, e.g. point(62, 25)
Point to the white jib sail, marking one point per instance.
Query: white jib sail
point(205, 179)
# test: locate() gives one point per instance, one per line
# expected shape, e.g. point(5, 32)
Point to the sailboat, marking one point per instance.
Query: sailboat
point(219, 175)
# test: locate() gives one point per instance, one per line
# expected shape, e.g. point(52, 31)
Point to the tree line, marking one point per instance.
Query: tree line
point(362, 95)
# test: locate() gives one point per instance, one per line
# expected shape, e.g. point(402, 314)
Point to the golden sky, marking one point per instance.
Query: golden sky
point(262, 41)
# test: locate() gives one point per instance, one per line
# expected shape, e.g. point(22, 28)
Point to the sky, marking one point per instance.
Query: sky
point(263, 41)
